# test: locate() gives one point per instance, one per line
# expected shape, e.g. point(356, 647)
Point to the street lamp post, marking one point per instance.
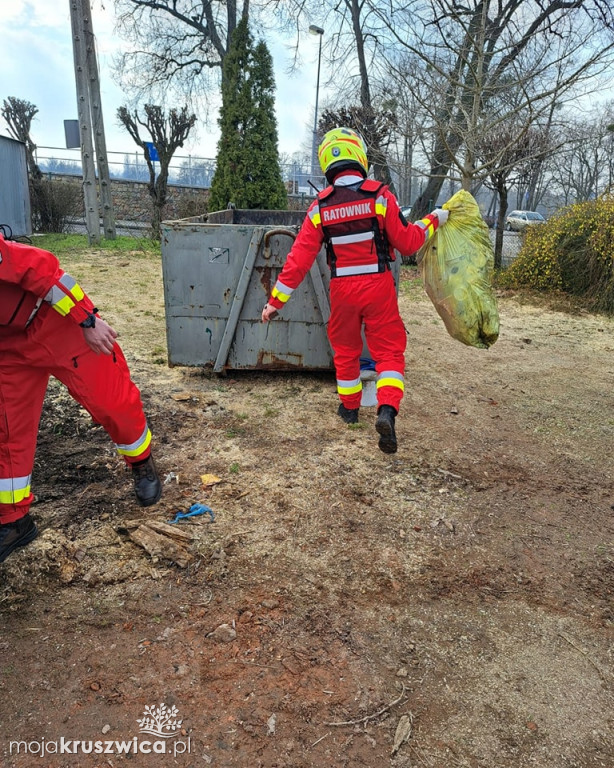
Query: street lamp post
point(314, 154)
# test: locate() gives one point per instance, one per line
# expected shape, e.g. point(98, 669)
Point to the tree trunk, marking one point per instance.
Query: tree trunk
point(425, 202)
point(502, 192)
point(381, 169)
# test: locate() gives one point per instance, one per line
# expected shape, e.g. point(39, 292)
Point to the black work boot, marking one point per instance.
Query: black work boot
point(385, 427)
point(349, 415)
point(16, 534)
point(147, 485)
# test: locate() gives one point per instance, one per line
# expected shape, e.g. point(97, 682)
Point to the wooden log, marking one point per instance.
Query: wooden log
point(160, 546)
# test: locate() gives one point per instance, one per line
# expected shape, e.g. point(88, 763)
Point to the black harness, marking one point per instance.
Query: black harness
point(359, 200)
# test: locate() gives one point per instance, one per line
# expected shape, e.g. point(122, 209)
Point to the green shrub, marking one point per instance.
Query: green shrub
point(54, 205)
point(571, 252)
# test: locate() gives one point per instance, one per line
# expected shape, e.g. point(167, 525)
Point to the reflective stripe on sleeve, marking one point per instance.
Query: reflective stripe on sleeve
point(281, 292)
point(62, 301)
point(381, 206)
point(14, 489)
point(391, 379)
point(427, 225)
point(314, 216)
point(136, 448)
point(59, 300)
point(349, 387)
point(72, 286)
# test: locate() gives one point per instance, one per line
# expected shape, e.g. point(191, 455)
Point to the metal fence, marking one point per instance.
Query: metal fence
point(185, 170)
point(197, 171)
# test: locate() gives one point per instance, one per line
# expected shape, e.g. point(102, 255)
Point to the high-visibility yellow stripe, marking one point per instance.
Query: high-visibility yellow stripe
point(14, 496)
point(349, 390)
point(381, 205)
point(391, 382)
point(63, 306)
point(429, 228)
point(314, 216)
point(64, 300)
point(279, 295)
point(137, 448)
point(77, 292)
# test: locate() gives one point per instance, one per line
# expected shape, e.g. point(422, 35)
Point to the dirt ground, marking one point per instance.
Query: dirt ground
point(448, 606)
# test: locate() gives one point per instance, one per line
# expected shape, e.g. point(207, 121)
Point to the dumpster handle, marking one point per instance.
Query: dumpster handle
point(270, 233)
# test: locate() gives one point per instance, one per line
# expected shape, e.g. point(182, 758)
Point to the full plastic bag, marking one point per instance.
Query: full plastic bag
point(457, 265)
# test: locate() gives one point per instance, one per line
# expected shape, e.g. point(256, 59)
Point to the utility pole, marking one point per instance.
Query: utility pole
point(104, 179)
point(91, 124)
point(90, 194)
point(315, 30)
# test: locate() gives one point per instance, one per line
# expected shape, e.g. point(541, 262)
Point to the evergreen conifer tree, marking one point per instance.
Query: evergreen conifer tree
point(266, 188)
point(247, 169)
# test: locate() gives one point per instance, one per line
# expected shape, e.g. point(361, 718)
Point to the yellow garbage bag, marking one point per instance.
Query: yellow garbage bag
point(457, 265)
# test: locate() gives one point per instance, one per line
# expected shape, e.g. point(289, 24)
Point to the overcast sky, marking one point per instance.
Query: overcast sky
point(37, 66)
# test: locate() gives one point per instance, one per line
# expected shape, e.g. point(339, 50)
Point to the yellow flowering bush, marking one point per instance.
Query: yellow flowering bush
point(573, 252)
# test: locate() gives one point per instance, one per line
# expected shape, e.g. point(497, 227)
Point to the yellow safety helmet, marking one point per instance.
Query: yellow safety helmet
point(342, 146)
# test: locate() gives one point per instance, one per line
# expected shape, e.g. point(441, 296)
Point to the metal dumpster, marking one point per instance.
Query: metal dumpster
point(218, 272)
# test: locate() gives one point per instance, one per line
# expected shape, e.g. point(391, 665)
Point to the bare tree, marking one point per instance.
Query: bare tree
point(176, 46)
point(411, 129)
point(53, 203)
point(353, 49)
point(18, 115)
point(513, 153)
point(167, 135)
point(473, 53)
point(585, 166)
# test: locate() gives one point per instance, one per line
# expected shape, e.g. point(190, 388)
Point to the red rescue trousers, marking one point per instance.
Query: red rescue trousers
point(370, 300)
point(55, 346)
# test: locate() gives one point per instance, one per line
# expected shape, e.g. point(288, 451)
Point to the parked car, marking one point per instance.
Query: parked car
point(516, 221)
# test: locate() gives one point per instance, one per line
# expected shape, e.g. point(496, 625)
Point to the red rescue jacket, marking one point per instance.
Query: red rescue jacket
point(30, 276)
point(364, 250)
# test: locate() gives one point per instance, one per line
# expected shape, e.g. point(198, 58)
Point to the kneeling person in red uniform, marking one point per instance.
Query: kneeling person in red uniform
point(49, 327)
point(360, 223)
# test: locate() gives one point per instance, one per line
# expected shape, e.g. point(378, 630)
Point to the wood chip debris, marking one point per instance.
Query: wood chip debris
point(160, 540)
point(182, 396)
point(270, 723)
point(402, 733)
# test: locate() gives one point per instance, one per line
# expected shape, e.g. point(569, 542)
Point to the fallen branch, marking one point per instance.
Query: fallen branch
point(317, 741)
point(375, 715)
point(172, 531)
point(160, 546)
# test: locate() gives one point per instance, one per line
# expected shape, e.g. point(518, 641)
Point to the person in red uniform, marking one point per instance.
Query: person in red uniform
point(50, 327)
point(360, 223)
